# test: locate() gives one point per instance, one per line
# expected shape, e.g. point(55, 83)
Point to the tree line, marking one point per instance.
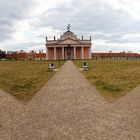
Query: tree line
point(2, 54)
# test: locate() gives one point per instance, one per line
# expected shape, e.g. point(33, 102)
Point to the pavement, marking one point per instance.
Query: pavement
point(68, 107)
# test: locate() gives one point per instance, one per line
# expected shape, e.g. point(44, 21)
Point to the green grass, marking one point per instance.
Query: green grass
point(24, 78)
point(113, 78)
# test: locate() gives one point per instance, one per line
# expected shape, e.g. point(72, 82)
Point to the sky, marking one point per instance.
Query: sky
point(113, 24)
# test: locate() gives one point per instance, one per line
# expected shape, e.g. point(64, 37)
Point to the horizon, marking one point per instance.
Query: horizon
point(44, 51)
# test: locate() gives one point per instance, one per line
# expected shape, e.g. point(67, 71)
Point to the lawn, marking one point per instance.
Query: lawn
point(113, 78)
point(24, 78)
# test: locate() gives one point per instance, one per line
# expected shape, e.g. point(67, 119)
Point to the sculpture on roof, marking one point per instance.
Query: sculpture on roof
point(68, 27)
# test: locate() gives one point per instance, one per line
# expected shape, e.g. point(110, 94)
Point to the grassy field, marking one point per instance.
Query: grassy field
point(113, 78)
point(24, 78)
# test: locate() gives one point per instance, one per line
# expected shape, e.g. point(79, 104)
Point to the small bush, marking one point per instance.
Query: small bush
point(106, 86)
point(99, 83)
point(112, 87)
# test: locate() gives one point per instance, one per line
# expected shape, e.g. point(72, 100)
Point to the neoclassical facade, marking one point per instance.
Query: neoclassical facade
point(68, 47)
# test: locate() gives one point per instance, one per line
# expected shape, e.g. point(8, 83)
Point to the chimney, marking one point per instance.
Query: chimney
point(46, 38)
point(54, 37)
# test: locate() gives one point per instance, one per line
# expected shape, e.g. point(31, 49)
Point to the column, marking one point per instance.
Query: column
point(82, 52)
point(74, 52)
point(54, 53)
point(63, 52)
point(90, 53)
point(46, 53)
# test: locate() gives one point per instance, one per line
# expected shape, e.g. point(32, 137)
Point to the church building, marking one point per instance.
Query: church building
point(68, 47)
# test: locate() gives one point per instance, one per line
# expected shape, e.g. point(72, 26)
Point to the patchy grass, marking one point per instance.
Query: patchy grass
point(113, 78)
point(24, 78)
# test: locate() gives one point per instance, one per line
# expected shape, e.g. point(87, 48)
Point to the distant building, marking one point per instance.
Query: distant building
point(67, 47)
point(25, 56)
point(121, 55)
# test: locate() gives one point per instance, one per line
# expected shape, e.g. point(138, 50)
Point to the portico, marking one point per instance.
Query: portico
point(67, 47)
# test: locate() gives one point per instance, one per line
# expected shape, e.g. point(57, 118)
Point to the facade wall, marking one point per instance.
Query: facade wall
point(69, 53)
point(51, 53)
point(59, 53)
point(26, 56)
point(86, 52)
point(78, 52)
point(116, 56)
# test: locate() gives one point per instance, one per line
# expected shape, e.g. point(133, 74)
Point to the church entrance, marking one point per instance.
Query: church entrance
point(69, 54)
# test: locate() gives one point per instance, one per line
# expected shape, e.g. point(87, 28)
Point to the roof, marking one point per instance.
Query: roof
point(66, 37)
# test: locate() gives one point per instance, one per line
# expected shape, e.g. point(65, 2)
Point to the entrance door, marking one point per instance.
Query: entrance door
point(68, 52)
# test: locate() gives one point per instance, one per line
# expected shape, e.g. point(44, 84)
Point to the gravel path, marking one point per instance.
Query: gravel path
point(69, 108)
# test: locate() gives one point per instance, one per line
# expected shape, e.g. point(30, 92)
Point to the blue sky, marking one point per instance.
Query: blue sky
point(113, 24)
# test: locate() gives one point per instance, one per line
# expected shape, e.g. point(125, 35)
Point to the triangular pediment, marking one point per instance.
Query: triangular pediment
point(68, 41)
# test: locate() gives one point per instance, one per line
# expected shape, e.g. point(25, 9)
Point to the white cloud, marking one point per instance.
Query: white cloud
point(113, 24)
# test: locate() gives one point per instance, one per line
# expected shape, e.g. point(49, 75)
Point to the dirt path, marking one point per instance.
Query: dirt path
point(69, 108)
